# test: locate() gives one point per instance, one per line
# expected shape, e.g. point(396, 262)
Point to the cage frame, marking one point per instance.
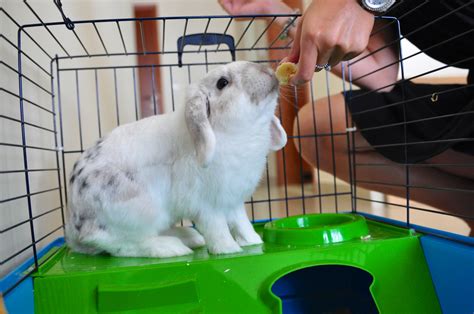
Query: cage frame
point(56, 113)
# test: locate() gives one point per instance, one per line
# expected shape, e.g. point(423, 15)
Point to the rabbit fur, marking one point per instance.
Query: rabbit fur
point(200, 163)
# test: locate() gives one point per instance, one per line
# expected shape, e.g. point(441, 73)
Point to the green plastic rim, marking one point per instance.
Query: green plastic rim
point(315, 229)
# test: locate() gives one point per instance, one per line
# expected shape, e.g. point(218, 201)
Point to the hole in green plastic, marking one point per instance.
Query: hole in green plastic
point(315, 229)
point(326, 289)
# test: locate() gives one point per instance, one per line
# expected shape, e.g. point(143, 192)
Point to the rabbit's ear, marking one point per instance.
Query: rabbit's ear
point(197, 121)
point(278, 135)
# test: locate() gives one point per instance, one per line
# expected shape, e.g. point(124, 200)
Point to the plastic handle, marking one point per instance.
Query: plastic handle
point(206, 39)
point(113, 298)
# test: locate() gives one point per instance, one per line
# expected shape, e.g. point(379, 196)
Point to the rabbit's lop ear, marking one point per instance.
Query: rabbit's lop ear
point(278, 135)
point(197, 121)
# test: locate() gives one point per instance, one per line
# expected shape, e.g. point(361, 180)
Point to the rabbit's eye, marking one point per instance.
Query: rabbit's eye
point(221, 83)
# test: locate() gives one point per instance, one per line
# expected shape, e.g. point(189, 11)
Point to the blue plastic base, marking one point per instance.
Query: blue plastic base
point(20, 299)
point(451, 266)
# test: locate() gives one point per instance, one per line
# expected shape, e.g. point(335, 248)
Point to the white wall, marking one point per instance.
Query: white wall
point(420, 64)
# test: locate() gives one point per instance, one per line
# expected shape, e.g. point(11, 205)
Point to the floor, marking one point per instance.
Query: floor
point(277, 202)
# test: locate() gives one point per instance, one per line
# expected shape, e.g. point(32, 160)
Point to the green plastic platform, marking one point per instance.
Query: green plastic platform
point(242, 283)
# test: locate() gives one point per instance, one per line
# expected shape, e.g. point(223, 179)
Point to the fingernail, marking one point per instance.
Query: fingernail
point(283, 60)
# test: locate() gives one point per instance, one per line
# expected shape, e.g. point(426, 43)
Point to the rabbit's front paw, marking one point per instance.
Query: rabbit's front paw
point(195, 241)
point(250, 238)
point(160, 246)
point(189, 236)
point(168, 247)
point(224, 248)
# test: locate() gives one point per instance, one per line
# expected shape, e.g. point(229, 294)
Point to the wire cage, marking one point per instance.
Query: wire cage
point(67, 83)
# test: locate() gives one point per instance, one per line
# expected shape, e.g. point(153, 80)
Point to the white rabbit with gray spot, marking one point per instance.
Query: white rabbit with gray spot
point(199, 163)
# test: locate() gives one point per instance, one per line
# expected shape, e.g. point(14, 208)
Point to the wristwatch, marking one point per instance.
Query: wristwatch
point(377, 6)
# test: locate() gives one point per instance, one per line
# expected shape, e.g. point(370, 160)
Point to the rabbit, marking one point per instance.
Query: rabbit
point(200, 163)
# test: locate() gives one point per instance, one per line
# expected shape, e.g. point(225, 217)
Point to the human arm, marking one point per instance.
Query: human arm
point(368, 64)
point(329, 32)
point(254, 7)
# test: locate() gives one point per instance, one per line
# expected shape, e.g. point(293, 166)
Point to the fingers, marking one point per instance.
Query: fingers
point(252, 8)
point(236, 7)
point(306, 64)
point(243, 7)
point(337, 55)
point(358, 45)
point(324, 57)
point(226, 5)
point(308, 54)
point(295, 48)
point(330, 31)
point(337, 43)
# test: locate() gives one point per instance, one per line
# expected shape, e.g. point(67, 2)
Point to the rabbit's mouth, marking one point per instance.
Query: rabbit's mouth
point(266, 71)
point(259, 83)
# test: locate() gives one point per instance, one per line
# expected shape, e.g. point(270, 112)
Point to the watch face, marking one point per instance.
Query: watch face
point(376, 4)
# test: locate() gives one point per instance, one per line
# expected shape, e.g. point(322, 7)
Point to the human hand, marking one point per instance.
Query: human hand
point(250, 7)
point(329, 32)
